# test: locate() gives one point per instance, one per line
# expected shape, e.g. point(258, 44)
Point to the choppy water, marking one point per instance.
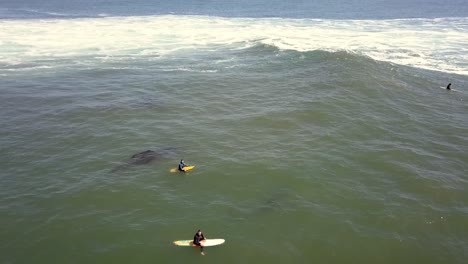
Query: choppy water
point(324, 141)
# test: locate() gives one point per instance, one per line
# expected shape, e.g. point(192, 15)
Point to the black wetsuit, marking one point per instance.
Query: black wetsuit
point(181, 166)
point(196, 240)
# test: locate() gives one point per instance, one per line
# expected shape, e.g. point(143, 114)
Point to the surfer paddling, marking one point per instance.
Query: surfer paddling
point(448, 86)
point(198, 240)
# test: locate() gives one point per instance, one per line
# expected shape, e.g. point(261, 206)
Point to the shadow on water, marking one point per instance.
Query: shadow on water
point(146, 157)
point(277, 202)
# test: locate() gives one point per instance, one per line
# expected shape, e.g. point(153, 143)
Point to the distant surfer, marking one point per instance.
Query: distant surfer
point(182, 165)
point(448, 86)
point(198, 239)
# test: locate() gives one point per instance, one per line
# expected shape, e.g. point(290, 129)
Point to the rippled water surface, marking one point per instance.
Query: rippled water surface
point(337, 151)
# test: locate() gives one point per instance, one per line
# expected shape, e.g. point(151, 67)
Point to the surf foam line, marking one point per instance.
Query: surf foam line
point(435, 44)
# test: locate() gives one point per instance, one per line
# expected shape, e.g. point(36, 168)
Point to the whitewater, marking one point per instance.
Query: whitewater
point(434, 44)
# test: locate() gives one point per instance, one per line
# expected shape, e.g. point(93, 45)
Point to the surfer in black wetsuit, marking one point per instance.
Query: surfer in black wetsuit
point(182, 165)
point(448, 86)
point(197, 239)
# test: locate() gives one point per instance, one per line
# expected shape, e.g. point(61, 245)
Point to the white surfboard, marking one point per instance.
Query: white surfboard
point(206, 243)
point(451, 89)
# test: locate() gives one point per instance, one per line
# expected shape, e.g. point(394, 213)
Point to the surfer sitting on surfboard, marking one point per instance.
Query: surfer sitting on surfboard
point(182, 165)
point(198, 239)
point(448, 86)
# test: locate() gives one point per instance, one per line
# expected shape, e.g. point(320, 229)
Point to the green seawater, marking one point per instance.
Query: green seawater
point(301, 157)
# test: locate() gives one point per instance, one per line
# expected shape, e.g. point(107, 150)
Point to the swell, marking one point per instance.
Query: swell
point(435, 44)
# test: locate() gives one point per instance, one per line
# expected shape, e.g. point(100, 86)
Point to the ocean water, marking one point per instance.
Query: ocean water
point(319, 131)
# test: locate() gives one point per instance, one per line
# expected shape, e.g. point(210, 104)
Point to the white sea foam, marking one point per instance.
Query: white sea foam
point(436, 44)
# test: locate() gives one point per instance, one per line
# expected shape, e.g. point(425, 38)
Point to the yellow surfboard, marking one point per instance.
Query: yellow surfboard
point(186, 168)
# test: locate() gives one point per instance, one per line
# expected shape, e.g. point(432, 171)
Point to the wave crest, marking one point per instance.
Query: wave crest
point(435, 44)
